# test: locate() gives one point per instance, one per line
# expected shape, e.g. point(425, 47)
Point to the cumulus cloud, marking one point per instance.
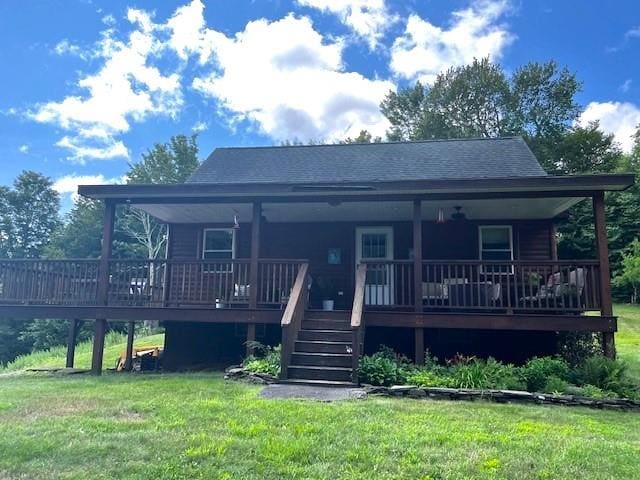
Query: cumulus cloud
point(67, 185)
point(24, 149)
point(126, 88)
point(287, 79)
point(619, 118)
point(425, 49)
point(369, 19)
point(283, 77)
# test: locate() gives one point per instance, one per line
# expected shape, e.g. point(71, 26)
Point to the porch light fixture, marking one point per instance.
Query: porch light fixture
point(458, 214)
point(440, 220)
point(236, 223)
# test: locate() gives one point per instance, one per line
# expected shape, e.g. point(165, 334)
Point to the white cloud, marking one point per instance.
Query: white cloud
point(619, 118)
point(633, 33)
point(199, 127)
point(283, 77)
point(126, 88)
point(475, 32)
point(290, 81)
point(65, 47)
point(626, 86)
point(67, 186)
point(24, 149)
point(369, 19)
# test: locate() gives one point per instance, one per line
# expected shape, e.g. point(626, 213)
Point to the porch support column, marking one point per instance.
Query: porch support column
point(256, 221)
point(74, 326)
point(103, 285)
point(131, 329)
point(606, 307)
point(417, 277)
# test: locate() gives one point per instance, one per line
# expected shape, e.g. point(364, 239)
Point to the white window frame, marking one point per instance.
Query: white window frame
point(204, 250)
point(480, 249)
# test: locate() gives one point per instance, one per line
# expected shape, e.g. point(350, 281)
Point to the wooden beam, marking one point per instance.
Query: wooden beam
point(419, 345)
point(492, 321)
point(256, 220)
point(131, 326)
point(417, 255)
point(103, 285)
point(74, 326)
point(606, 306)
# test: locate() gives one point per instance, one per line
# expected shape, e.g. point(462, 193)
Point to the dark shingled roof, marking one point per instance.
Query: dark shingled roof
point(427, 160)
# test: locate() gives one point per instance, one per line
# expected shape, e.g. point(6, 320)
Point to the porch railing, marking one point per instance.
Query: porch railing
point(220, 283)
point(567, 285)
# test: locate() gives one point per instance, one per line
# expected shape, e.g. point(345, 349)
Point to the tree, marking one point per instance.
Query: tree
point(630, 275)
point(171, 162)
point(363, 137)
point(480, 100)
point(28, 215)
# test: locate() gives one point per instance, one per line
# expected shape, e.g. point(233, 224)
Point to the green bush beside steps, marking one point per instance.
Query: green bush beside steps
point(596, 376)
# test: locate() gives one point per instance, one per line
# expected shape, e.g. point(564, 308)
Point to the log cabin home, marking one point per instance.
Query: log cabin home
point(333, 250)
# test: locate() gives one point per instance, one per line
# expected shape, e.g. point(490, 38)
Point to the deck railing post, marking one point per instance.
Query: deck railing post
point(606, 307)
point(253, 270)
point(103, 286)
point(417, 278)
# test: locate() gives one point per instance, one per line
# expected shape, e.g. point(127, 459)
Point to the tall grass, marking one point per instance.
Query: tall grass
point(115, 343)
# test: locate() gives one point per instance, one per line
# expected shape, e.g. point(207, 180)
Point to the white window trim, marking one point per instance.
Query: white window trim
point(480, 249)
point(204, 243)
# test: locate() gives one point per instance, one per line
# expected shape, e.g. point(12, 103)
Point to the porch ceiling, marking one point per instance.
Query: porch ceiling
point(475, 209)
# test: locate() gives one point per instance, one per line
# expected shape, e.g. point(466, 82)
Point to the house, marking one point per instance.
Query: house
point(448, 245)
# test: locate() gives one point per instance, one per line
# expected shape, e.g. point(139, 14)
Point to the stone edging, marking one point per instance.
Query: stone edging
point(412, 391)
point(237, 372)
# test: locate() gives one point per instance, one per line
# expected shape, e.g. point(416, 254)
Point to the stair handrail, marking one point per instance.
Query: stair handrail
point(292, 318)
point(357, 319)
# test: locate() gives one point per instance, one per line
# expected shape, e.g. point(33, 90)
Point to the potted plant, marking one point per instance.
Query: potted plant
point(327, 292)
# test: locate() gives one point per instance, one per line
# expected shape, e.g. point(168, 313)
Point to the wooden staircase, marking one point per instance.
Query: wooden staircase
point(322, 353)
point(321, 348)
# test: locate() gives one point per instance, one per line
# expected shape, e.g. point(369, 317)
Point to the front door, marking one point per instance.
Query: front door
point(376, 244)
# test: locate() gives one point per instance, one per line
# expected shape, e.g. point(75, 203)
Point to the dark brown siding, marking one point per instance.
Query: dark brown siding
point(534, 241)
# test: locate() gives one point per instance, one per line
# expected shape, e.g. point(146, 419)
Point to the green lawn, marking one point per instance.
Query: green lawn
point(628, 336)
point(200, 426)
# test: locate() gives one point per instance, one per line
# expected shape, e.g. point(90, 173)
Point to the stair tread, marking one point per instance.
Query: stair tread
point(322, 330)
point(331, 342)
point(316, 367)
point(326, 383)
point(323, 354)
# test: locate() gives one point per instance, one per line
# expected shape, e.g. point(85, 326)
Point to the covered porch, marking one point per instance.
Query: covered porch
point(440, 254)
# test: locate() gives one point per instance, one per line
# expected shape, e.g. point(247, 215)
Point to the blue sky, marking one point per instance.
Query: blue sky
point(89, 85)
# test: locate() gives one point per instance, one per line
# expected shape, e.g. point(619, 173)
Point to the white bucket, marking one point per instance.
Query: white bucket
point(327, 305)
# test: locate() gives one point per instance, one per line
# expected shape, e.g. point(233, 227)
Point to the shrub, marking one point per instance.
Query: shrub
point(576, 347)
point(265, 359)
point(537, 371)
point(475, 373)
point(428, 378)
point(556, 385)
point(384, 367)
point(606, 374)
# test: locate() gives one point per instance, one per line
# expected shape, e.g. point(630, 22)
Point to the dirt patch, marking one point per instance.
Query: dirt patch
point(54, 408)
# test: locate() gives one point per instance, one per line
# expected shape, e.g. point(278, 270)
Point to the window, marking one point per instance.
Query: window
point(218, 244)
point(496, 244)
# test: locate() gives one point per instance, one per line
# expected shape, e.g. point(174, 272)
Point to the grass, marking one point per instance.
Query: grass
point(628, 337)
point(191, 426)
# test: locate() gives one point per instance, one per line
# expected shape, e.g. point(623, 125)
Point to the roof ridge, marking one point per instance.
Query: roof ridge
point(398, 142)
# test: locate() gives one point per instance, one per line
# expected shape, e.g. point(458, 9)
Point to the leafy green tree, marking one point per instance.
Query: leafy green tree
point(363, 137)
point(29, 215)
point(171, 162)
point(630, 274)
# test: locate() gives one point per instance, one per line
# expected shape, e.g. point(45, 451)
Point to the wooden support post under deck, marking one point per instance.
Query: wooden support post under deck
point(606, 307)
point(131, 328)
point(103, 286)
point(256, 220)
point(419, 346)
point(74, 326)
